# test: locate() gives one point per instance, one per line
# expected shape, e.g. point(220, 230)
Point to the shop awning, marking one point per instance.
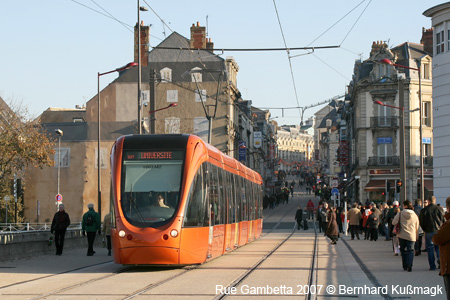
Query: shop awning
point(378, 185)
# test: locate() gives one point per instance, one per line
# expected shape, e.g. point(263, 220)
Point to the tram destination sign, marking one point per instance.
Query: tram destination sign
point(154, 155)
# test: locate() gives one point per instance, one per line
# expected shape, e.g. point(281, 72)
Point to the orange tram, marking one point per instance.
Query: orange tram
point(177, 200)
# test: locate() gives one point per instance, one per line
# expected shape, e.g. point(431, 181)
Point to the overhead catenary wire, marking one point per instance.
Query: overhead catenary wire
point(288, 56)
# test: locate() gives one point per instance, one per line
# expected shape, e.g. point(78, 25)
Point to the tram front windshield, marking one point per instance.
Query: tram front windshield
point(151, 186)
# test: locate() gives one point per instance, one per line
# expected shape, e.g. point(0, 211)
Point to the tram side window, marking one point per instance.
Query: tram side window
point(214, 195)
point(195, 215)
point(244, 200)
point(223, 198)
point(232, 195)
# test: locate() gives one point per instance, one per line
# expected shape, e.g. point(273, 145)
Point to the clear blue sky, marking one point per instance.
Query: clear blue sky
point(52, 50)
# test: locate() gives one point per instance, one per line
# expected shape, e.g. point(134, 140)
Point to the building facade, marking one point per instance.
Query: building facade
point(202, 85)
point(440, 48)
point(295, 148)
point(374, 131)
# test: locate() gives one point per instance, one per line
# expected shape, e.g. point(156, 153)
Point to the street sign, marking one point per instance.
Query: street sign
point(6, 198)
point(59, 197)
point(335, 191)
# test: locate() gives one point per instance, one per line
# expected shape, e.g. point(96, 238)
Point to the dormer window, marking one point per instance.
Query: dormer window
point(166, 75)
point(196, 75)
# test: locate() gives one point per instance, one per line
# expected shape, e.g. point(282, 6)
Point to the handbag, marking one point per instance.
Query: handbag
point(396, 230)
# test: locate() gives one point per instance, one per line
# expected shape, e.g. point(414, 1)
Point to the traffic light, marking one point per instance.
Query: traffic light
point(19, 188)
point(399, 186)
point(388, 186)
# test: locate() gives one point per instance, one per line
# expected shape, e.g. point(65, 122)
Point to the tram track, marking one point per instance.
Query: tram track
point(53, 275)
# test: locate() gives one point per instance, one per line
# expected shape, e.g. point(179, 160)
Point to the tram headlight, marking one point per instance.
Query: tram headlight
point(174, 233)
point(122, 233)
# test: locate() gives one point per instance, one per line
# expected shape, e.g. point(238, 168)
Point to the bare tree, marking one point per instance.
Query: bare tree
point(23, 142)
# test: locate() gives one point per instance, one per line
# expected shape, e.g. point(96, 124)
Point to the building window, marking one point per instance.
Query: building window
point(196, 76)
point(202, 94)
point(172, 125)
point(426, 71)
point(440, 42)
point(384, 150)
point(426, 113)
point(384, 71)
point(166, 75)
point(172, 96)
point(65, 157)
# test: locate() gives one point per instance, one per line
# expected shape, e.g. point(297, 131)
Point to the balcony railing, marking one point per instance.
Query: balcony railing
point(385, 122)
point(384, 161)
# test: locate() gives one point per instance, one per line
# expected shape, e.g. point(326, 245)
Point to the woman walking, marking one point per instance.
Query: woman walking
point(332, 230)
point(409, 231)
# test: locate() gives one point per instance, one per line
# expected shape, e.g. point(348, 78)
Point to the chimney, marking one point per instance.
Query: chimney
point(145, 41)
point(209, 45)
point(427, 40)
point(377, 46)
point(198, 36)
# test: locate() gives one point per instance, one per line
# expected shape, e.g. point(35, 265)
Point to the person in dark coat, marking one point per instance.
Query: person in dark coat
point(319, 216)
point(372, 224)
point(59, 226)
point(299, 217)
point(91, 224)
point(332, 229)
point(442, 239)
point(431, 219)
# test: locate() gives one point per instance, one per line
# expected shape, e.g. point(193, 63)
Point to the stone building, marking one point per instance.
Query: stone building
point(374, 130)
point(294, 148)
point(201, 84)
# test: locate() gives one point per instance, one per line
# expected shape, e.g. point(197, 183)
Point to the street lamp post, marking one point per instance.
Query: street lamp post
point(126, 67)
point(389, 62)
point(152, 129)
point(170, 105)
point(60, 133)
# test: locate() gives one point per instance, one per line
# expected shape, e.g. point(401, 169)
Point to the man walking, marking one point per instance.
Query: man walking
point(59, 226)
point(299, 217)
point(91, 224)
point(354, 217)
point(431, 219)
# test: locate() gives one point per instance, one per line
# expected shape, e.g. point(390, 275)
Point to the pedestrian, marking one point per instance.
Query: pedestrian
point(409, 231)
point(325, 218)
point(372, 225)
point(367, 213)
point(319, 217)
point(106, 230)
point(354, 216)
point(385, 221)
point(310, 207)
point(332, 231)
point(442, 239)
point(431, 219)
point(418, 244)
point(395, 241)
point(90, 225)
point(59, 226)
point(299, 217)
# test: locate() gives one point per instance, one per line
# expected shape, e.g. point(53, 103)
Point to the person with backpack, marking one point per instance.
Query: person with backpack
point(91, 224)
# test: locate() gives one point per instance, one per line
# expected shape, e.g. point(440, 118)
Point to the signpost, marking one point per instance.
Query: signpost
point(335, 193)
point(58, 197)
